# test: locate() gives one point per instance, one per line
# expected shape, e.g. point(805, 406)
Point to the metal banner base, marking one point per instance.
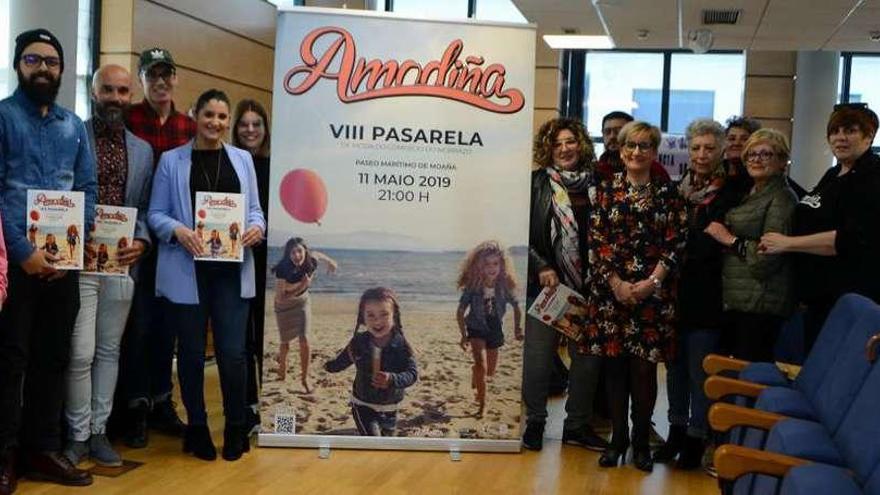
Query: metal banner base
point(388, 443)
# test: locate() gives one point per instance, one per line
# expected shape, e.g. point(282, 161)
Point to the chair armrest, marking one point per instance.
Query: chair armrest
point(718, 387)
point(723, 417)
point(733, 461)
point(871, 348)
point(716, 363)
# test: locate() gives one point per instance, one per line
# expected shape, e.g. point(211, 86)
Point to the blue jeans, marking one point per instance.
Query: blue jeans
point(688, 405)
point(94, 353)
point(220, 300)
point(541, 342)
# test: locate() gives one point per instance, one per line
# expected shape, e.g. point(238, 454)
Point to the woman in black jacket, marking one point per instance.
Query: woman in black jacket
point(709, 192)
point(250, 131)
point(558, 255)
point(835, 226)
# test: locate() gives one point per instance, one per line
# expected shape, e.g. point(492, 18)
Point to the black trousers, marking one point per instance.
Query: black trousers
point(751, 336)
point(36, 325)
point(256, 324)
point(626, 377)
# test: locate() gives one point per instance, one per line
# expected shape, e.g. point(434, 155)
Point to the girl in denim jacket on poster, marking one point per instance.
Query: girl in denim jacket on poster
point(384, 363)
point(487, 284)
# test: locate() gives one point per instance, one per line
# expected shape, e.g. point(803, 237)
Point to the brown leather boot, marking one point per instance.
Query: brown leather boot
point(55, 468)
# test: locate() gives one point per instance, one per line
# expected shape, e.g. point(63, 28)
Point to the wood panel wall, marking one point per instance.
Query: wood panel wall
point(548, 76)
point(769, 91)
point(223, 44)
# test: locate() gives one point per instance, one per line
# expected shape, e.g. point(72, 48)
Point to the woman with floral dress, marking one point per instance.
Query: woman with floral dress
point(637, 232)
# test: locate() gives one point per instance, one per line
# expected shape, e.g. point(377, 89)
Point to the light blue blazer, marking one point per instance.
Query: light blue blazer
point(171, 207)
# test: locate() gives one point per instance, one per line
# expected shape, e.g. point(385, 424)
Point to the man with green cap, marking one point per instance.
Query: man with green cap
point(148, 348)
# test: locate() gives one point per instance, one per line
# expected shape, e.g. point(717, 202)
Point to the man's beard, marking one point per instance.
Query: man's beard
point(113, 114)
point(40, 92)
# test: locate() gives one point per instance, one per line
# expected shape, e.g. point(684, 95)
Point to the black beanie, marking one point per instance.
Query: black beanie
point(41, 35)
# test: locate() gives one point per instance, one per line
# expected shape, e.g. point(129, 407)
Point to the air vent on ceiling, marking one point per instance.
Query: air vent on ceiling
point(720, 16)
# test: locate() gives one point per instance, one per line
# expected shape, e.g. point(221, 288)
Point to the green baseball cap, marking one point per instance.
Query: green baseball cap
point(155, 56)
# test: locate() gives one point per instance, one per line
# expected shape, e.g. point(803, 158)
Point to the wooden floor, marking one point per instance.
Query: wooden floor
point(556, 469)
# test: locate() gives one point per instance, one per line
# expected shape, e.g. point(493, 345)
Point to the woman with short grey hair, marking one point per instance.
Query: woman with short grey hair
point(708, 195)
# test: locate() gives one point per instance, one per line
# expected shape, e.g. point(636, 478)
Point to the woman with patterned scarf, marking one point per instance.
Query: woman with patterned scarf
point(557, 255)
point(708, 195)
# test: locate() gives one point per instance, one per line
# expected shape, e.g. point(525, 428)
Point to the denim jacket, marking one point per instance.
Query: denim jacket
point(38, 152)
point(476, 317)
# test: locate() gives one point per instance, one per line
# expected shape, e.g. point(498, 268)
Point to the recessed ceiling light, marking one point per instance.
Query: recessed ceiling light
point(561, 41)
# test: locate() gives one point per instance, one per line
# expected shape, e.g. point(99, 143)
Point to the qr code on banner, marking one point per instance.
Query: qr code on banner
point(285, 421)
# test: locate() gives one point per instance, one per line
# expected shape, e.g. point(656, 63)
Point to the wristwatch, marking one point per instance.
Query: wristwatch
point(656, 281)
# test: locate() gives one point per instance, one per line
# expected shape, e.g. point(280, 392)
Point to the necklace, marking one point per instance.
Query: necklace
point(212, 186)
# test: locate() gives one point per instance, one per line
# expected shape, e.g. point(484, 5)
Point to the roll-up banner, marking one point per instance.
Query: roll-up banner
point(398, 232)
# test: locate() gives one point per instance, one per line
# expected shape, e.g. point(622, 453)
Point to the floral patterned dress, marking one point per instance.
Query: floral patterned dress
point(632, 229)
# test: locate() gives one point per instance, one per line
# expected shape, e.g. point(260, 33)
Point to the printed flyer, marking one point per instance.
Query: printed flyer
point(398, 232)
point(220, 225)
point(113, 230)
point(561, 308)
point(55, 222)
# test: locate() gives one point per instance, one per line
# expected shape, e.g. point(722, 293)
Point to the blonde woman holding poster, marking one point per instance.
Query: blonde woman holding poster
point(557, 254)
point(217, 290)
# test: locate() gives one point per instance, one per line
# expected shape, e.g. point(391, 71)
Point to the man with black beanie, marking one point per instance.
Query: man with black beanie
point(42, 146)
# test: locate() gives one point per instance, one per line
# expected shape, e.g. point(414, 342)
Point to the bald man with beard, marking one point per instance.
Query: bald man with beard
point(124, 165)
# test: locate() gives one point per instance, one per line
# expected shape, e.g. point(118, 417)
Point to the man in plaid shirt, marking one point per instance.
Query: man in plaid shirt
point(155, 119)
point(148, 348)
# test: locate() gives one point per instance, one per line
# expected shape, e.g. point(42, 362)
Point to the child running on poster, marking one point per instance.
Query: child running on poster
point(487, 283)
point(72, 239)
point(384, 362)
point(215, 244)
point(233, 239)
point(294, 273)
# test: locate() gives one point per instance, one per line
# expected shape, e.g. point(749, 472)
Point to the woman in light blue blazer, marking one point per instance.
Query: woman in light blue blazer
point(199, 290)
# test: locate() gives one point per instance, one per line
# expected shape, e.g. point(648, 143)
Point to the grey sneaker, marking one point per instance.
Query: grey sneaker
point(76, 452)
point(102, 452)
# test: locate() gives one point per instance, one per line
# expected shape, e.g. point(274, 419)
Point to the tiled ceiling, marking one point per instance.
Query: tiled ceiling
point(762, 24)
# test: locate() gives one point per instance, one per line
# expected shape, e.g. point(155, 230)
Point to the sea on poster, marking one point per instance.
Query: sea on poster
point(399, 147)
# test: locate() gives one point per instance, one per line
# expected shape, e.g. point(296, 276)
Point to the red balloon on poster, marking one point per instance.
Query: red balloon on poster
point(304, 195)
point(202, 214)
point(35, 215)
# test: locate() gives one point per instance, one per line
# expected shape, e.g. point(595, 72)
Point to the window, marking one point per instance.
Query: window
point(5, 50)
point(499, 10)
point(84, 59)
point(861, 85)
point(448, 9)
point(704, 86)
point(631, 82)
point(699, 86)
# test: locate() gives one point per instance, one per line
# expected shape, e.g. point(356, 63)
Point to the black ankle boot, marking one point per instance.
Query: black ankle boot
point(674, 444)
point(642, 460)
point(197, 440)
point(691, 454)
point(135, 435)
point(234, 441)
point(612, 457)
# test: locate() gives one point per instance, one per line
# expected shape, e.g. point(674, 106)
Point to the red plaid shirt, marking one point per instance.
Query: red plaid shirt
point(144, 122)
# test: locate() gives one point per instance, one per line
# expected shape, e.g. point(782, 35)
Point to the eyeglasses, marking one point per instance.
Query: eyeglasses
point(642, 146)
point(34, 60)
point(165, 75)
point(759, 156)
